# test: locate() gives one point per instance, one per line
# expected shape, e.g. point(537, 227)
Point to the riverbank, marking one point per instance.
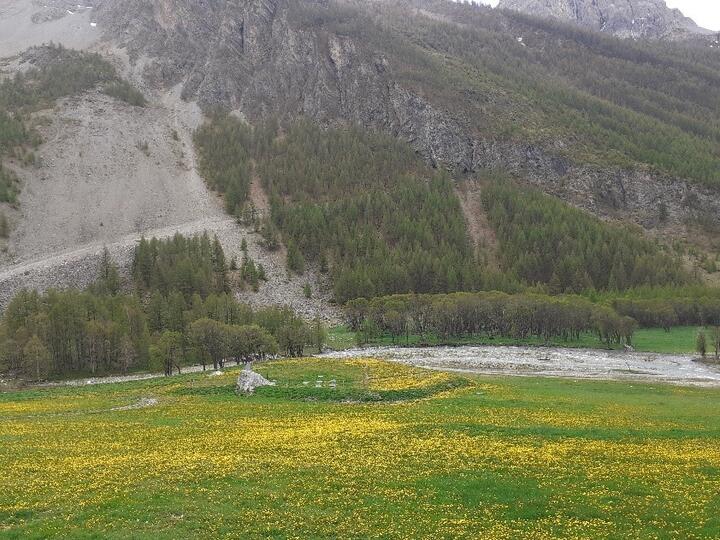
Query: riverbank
point(675, 347)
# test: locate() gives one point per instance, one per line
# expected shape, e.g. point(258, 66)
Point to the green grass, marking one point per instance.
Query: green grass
point(680, 340)
point(434, 456)
point(340, 338)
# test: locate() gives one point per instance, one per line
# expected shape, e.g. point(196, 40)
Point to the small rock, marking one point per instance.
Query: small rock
point(248, 381)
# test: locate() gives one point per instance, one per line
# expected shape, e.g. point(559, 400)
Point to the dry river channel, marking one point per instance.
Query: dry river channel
point(551, 362)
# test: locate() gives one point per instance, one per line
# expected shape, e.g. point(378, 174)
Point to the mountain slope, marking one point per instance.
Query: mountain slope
point(618, 128)
point(626, 130)
point(624, 18)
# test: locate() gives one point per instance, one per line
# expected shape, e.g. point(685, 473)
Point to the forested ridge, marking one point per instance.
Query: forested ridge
point(609, 102)
point(544, 241)
point(362, 205)
point(367, 209)
point(179, 313)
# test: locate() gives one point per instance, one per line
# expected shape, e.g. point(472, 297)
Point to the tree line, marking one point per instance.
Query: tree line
point(179, 313)
point(490, 314)
point(669, 312)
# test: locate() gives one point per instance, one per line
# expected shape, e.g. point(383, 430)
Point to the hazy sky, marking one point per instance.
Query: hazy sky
point(705, 12)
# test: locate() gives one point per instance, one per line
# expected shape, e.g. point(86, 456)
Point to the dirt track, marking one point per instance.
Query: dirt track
point(78, 267)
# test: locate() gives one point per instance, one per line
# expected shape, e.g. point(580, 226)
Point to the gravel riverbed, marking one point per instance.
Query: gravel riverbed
point(551, 362)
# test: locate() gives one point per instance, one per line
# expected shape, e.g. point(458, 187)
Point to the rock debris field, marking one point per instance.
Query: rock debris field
point(551, 362)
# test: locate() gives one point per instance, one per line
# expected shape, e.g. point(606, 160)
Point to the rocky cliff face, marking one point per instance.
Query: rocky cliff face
point(258, 58)
point(250, 56)
point(623, 18)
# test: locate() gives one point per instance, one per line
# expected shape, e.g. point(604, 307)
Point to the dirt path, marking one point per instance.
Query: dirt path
point(481, 233)
point(107, 170)
point(117, 379)
point(95, 188)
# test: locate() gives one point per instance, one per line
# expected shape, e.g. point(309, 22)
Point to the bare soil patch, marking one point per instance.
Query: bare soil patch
point(481, 233)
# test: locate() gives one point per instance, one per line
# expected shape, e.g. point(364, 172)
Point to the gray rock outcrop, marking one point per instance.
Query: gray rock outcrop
point(248, 381)
point(623, 18)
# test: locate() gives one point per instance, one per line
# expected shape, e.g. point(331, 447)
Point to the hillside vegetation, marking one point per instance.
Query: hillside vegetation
point(359, 205)
point(543, 240)
point(581, 95)
point(364, 207)
point(181, 313)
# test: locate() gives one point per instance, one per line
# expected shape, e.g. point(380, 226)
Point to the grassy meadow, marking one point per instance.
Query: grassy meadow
point(360, 449)
point(679, 340)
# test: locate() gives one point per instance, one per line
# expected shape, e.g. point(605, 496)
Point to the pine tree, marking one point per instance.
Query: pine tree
point(4, 226)
point(109, 277)
point(218, 257)
point(701, 344)
point(295, 259)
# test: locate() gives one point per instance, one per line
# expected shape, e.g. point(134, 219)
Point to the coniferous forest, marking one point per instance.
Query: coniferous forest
point(369, 210)
point(179, 313)
point(544, 241)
